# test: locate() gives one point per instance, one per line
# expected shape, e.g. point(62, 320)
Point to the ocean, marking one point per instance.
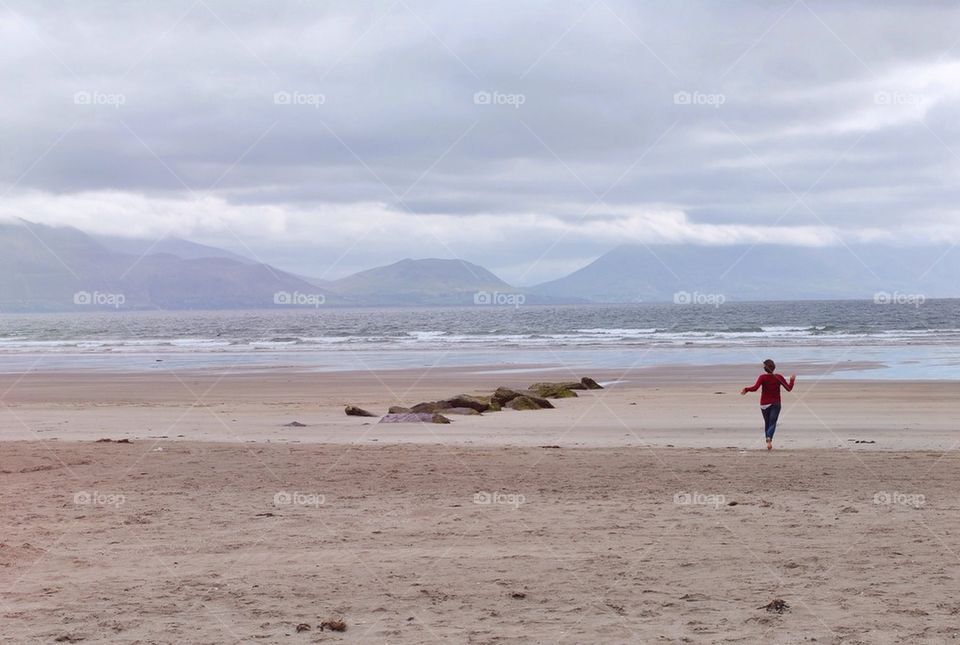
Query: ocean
point(913, 340)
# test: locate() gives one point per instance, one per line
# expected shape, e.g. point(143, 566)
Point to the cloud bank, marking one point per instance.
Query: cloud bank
point(528, 138)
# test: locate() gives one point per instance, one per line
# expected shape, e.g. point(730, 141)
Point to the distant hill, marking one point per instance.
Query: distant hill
point(45, 268)
point(633, 273)
point(421, 282)
point(170, 245)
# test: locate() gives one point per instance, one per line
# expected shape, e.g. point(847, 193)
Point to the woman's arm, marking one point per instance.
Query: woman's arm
point(752, 388)
point(787, 384)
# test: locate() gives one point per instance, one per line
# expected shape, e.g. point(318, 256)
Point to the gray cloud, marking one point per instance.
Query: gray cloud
point(540, 127)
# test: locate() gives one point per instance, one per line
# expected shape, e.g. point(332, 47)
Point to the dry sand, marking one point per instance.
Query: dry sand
point(107, 543)
point(235, 532)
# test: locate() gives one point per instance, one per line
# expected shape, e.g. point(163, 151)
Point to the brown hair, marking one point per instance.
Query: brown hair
point(769, 366)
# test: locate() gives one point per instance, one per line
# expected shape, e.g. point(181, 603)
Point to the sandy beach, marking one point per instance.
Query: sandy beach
point(644, 512)
point(684, 407)
point(409, 322)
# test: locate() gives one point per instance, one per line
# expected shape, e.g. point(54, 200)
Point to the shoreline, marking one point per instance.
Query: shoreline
point(812, 368)
point(871, 362)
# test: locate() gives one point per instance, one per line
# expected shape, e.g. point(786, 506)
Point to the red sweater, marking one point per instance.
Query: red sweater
point(771, 387)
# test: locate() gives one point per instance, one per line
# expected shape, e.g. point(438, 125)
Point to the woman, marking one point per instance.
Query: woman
point(770, 397)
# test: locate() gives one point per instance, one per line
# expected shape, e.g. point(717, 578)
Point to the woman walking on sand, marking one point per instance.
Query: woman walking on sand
point(770, 397)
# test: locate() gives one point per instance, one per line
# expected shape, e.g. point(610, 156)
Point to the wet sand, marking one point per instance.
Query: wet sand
point(676, 407)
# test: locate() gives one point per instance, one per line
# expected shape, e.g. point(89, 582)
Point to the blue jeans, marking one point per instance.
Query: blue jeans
point(770, 416)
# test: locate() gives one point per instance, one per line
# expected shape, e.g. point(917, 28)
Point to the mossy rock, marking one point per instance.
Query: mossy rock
point(552, 390)
point(354, 411)
point(566, 385)
point(590, 383)
point(524, 402)
point(428, 406)
point(463, 411)
point(504, 395)
point(467, 401)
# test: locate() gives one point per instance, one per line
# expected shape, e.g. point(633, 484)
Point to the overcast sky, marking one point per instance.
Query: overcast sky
point(529, 137)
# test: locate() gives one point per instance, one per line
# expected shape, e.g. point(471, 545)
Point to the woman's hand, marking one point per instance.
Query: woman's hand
point(793, 377)
point(743, 392)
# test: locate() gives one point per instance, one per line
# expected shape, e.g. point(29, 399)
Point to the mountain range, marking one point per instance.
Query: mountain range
point(661, 273)
point(44, 268)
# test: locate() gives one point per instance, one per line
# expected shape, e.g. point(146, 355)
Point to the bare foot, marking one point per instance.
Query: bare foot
point(769, 445)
